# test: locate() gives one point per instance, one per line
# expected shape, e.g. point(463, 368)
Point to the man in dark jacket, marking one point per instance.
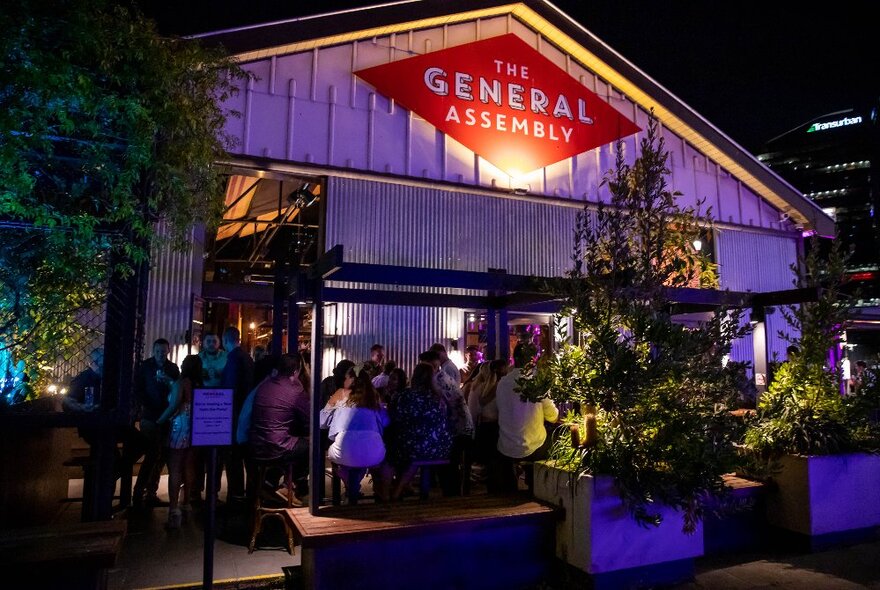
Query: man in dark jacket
point(238, 375)
point(152, 384)
point(76, 398)
point(77, 402)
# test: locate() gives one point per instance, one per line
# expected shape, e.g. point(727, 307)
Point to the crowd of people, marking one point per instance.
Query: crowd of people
point(380, 421)
point(374, 418)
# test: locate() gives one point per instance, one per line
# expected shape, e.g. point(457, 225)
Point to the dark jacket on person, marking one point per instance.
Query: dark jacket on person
point(238, 375)
point(149, 392)
point(280, 417)
point(77, 392)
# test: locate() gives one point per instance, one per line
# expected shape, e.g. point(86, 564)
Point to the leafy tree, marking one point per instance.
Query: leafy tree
point(105, 127)
point(654, 388)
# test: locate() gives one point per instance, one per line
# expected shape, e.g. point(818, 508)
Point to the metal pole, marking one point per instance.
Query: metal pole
point(491, 337)
point(211, 500)
point(316, 457)
point(503, 350)
point(278, 296)
point(293, 326)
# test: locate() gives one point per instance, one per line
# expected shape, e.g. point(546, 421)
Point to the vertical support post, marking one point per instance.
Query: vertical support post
point(503, 335)
point(491, 335)
point(278, 295)
point(103, 456)
point(316, 457)
point(498, 344)
point(126, 304)
point(298, 292)
point(759, 346)
point(292, 325)
point(211, 499)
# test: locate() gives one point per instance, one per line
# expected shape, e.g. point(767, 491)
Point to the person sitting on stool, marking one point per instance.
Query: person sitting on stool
point(522, 435)
point(279, 420)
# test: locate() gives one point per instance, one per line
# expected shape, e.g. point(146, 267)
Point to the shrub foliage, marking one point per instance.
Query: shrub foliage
point(656, 387)
point(105, 127)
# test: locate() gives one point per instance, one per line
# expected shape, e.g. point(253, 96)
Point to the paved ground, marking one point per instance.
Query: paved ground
point(154, 558)
point(852, 567)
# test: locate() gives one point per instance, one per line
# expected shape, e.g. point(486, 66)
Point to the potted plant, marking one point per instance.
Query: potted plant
point(650, 439)
point(820, 445)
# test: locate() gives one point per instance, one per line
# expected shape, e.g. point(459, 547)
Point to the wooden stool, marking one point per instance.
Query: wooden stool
point(261, 512)
point(528, 468)
point(425, 472)
point(352, 484)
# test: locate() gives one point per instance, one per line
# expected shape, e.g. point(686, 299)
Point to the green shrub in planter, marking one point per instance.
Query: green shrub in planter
point(803, 411)
point(656, 389)
point(812, 438)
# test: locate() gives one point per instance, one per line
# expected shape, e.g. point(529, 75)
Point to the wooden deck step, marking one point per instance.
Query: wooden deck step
point(479, 541)
point(377, 519)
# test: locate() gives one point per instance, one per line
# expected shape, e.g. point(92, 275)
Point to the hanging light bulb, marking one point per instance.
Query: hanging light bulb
point(698, 244)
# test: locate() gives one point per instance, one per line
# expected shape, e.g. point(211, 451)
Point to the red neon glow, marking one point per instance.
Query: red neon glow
point(863, 276)
point(503, 100)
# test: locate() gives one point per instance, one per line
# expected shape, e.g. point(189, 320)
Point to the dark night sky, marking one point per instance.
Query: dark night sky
point(754, 69)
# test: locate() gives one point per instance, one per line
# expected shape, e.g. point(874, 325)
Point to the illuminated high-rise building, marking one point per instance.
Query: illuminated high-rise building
point(835, 161)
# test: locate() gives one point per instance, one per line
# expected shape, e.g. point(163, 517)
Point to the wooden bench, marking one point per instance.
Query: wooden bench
point(62, 556)
point(486, 542)
point(743, 488)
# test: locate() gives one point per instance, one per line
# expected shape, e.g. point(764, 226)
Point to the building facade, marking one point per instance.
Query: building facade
point(369, 110)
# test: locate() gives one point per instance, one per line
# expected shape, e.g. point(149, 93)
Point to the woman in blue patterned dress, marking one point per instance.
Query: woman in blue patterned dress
point(422, 429)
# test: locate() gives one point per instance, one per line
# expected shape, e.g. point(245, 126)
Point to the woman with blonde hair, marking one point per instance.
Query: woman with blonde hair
point(481, 403)
point(181, 460)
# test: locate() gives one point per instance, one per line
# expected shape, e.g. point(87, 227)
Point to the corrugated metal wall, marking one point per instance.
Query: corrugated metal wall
point(405, 332)
point(395, 224)
point(174, 277)
point(386, 223)
point(757, 262)
point(417, 226)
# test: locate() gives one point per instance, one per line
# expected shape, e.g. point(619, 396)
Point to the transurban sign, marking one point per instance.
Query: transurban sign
point(503, 100)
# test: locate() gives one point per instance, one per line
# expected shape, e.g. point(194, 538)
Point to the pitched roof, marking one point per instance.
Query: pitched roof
point(300, 34)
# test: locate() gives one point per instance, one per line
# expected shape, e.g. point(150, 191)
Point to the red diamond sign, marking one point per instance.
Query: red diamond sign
point(503, 100)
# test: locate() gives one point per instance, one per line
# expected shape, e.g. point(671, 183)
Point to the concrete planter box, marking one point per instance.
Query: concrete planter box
point(599, 536)
point(827, 497)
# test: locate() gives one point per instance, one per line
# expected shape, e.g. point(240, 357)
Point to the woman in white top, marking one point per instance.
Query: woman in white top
point(356, 420)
